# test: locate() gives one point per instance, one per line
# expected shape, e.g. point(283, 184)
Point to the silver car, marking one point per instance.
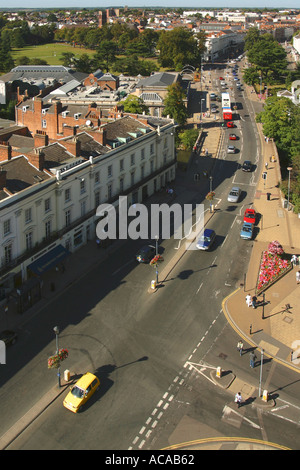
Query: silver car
point(234, 194)
point(231, 149)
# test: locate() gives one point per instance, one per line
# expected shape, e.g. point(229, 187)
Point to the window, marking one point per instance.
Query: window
point(6, 227)
point(97, 198)
point(44, 123)
point(122, 164)
point(8, 254)
point(68, 217)
point(82, 186)
point(109, 191)
point(132, 159)
point(48, 229)
point(142, 171)
point(121, 185)
point(82, 208)
point(132, 178)
point(67, 194)
point(28, 240)
point(152, 149)
point(142, 154)
point(151, 166)
point(97, 177)
point(27, 216)
point(109, 171)
point(47, 204)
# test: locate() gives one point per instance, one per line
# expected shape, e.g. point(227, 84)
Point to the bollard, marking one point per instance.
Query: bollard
point(219, 372)
point(265, 395)
point(153, 284)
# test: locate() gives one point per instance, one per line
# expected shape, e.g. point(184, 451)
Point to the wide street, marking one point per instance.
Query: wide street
point(138, 343)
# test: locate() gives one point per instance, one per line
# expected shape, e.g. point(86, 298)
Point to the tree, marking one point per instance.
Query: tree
point(135, 105)
point(105, 55)
point(84, 63)
point(267, 56)
point(178, 48)
point(174, 104)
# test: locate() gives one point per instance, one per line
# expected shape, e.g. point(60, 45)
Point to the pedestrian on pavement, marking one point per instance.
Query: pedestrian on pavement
point(266, 165)
point(252, 359)
point(254, 299)
point(240, 347)
point(294, 260)
point(238, 399)
point(249, 300)
point(298, 277)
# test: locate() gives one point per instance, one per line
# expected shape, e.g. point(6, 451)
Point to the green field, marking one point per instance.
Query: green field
point(51, 53)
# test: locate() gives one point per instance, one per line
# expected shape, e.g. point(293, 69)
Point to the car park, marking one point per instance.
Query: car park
point(250, 216)
point(230, 124)
point(231, 149)
point(247, 165)
point(9, 337)
point(234, 194)
point(246, 232)
point(206, 239)
point(232, 137)
point(81, 392)
point(145, 254)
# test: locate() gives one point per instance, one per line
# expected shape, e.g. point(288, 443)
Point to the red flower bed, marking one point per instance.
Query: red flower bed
point(272, 266)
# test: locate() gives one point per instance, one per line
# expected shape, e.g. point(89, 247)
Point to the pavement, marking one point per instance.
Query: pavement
point(273, 327)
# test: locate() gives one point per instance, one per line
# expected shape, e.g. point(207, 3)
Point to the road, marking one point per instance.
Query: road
point(138, 344)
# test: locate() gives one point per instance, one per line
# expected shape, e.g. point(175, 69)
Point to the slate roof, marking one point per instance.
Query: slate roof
point(160, 79)
point(20, 175)
point(38, 72)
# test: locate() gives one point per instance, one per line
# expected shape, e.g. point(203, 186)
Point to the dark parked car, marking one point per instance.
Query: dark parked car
point(9, 337)
point(145, 254)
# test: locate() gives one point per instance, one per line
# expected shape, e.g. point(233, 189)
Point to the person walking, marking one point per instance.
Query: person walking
point(240, 347)
point(238, 399)
point(254, 299)
point(249, 300)
point(298, 277)
point(294, 260)
point(252, 359)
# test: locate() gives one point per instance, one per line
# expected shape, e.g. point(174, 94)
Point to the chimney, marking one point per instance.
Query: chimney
point(41, 139)
point(38, 105)
point(57, 107)
point(37, 159)
point(99, 135)
point(5, 151)
point(73, 146)
point(2, 178)
point(69, 131)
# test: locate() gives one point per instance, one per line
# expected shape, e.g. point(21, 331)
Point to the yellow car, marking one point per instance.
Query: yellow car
point(81, 392)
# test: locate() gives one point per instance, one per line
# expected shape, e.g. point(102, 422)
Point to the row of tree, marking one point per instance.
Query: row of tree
point(281, 122)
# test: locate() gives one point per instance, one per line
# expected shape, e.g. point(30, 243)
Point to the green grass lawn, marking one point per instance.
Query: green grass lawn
point(51, 53)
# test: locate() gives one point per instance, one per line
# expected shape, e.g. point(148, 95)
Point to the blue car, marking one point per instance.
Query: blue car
point(206, 240)
point(247, 231)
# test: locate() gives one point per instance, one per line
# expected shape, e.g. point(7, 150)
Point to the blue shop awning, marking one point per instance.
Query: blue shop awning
point(49, 260)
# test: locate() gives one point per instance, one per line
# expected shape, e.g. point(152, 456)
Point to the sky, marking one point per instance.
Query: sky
point(234, 4)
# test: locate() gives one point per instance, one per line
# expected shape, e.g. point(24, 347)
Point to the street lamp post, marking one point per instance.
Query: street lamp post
point(202, 99)
point(210, 189)
point(260, 375)
point(289, 168)
point(56, 331)
point(156, 253)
